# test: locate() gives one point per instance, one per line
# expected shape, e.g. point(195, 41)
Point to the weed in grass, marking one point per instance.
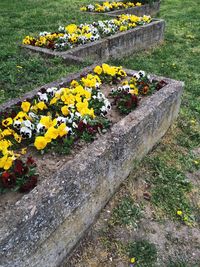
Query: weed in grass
point(169, 190)
point(144, 252)
point(126, 213)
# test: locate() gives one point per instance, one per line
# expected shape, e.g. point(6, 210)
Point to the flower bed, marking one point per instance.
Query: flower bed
point(121, 43)
point(108, 6)
point(116, 8)
point(57, 118)
point(74, 35)
point(39, 229)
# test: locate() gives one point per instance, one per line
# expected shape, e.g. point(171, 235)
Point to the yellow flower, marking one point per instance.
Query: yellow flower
point(132, 260)
point(123, 28)
point(98, 70)
point(7, 132)
point(65, 110)
point(7, 122)
point(25, 106)
point(21, 116)
point(40, 142)
point(134, 91)
point(41, 105)
point(83, 8)
point(74, 84)
point(72, 28)
point(54, 100)
point(24, 150)
point(62, 130)
point(179, 212)
point(18, 138)
point(6, 162)
point(138, 4)
point(52, 133)
point(47, 122)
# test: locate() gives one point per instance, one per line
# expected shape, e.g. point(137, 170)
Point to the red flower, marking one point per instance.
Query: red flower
point(19, 168)
point(29, 185)
point(30, 162)
point(8, 180)
point(81, 126)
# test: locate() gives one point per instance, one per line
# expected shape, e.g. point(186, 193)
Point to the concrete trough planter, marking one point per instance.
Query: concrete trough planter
point(43, 226)
point(118, 45)
point(147, 9)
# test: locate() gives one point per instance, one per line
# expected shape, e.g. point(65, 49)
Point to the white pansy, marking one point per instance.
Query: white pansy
point(26, 132)
point(43, 97)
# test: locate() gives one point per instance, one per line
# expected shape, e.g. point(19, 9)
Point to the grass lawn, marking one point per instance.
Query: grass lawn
point(170, 170)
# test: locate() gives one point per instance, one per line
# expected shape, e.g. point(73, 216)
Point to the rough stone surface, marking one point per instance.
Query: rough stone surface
point(42, 227)
point(147, 9)
point(118, 45)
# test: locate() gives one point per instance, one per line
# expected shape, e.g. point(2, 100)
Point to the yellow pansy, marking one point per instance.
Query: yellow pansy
point(25, 106)
point(65, 110)
point(41, 105)
point(7, 132)
point(72, 28)
point(47, 122)
point(54, 100)
point(52, 133)
point(98, 70)
point(62, 130)
point(6, 122)
point(40, 142)
point(17, 137)
point(6, 162)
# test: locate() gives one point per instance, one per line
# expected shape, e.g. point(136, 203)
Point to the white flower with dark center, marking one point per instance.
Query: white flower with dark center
point(40, 128)
point(51, 91)
point(77, 114)
point(25, 132)
point(43, 97)
point(136, 76)
point(61, 120)
point(97, 86)
point(44, 33)
point(90, 7)
point(17, 124)
point(126, 88)
point(27, 124)
point(141, 73)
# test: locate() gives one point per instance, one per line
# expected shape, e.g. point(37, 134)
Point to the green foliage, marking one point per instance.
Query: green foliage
point(126, 213)
point(144, 252)
point(170, 188)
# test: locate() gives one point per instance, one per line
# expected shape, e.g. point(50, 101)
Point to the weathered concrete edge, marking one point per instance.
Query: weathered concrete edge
point(99, 149)
point(147, 9)
point(101, 44)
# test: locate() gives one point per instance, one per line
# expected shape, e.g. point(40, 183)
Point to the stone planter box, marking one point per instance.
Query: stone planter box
point(43, 226)
point(118, 45)
point(147, 9)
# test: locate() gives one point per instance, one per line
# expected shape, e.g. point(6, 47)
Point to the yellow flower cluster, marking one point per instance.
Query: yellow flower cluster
point(50, 116)
point(112, 71)
point(109, 6)
point(7, 156)
point(42, 40)
point(66, 100)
